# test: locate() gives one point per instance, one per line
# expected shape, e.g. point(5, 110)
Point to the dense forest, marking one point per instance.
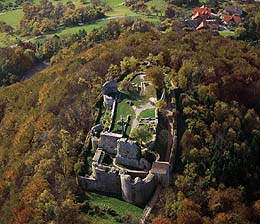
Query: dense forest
point(44, 124)
point(218, 180)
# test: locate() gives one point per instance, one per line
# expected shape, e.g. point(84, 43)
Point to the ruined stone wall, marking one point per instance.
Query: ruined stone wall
point(137, 191)
point(129, 153)
point(141, 164)
point(105, 179)
point(108, 141)
point(108, 100)
point(110, 87)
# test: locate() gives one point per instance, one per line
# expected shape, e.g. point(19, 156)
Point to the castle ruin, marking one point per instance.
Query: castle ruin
point(128, 173)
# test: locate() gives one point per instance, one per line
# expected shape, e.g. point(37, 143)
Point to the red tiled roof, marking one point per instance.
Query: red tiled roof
point(228, 18)
point(237, 19)
point(201, 12)
point(195, 16)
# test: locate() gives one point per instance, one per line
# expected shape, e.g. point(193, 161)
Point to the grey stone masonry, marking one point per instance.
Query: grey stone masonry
point(161, 170)
point(108, 141)
point(110, 87)
point(137, 191)
point(129, 153)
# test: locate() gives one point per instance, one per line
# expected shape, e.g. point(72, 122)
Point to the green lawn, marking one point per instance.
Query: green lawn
point(12, 17)
point(87, 27)
point(227, 33)
point(122, 208)
point(147, 113)
point(118, 9)
point(124, 109)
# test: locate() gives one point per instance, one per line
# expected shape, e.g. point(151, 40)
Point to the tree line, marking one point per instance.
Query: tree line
point(47, 17)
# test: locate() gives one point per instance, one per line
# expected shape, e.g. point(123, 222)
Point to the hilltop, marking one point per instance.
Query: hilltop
point(45, 120)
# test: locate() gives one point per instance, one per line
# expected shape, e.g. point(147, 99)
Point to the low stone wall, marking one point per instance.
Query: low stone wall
point(137, 191)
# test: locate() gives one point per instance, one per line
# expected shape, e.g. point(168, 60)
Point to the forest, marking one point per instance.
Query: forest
point(44, 124)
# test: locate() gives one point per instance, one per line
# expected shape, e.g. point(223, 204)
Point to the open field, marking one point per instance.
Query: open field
point(12, 17)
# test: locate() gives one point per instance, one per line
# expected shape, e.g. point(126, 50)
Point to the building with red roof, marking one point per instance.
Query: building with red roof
point(201, 12)
point(228, 19)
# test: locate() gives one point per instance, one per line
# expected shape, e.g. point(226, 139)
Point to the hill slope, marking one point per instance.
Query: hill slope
point(44, 120)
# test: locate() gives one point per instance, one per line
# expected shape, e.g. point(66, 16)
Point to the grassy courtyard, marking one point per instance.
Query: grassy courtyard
point(147, 113)
point(120, 207)
point(123, 109)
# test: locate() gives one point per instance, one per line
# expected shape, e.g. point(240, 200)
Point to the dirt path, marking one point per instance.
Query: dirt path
point(138, 110)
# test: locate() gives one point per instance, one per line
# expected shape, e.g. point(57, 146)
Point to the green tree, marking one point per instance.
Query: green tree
point(142, 134)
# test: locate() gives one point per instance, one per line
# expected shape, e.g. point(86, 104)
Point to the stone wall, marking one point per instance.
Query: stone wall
point(127, 148)
point(161, 171)
point(137, 191)
point(110, 87)
point(129, 153)
point(108, 100)
point(105, 179)
point(141, 164)
point(108, 142)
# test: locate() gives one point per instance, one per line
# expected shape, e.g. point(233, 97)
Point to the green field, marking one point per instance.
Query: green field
point(71, 30)
point(227, 33)
point(118, 9)
point(122, 208)
point(12, 17)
